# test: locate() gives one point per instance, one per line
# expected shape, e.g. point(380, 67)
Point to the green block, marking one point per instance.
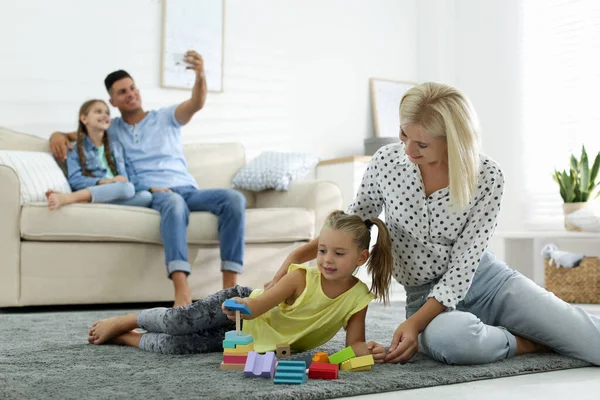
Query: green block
point(231, 341)
point(342, 355)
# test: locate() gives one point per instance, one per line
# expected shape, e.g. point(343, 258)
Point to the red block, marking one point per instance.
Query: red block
point(235, 359)
point(323, 371)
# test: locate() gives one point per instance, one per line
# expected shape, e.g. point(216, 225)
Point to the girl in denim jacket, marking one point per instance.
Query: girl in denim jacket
point(97, 170)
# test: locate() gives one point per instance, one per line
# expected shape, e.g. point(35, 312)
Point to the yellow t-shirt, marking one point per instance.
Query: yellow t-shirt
point(312, 320)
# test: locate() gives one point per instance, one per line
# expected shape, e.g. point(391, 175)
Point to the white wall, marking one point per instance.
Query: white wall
point(295, 72)
point(474, 45)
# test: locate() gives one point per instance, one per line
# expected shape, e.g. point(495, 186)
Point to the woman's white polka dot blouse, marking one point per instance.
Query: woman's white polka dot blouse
point(429, 240)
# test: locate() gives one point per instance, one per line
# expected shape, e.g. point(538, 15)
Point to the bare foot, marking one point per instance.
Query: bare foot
point(526, 346)
point(54, 202)
point(106, 329)
point(131, 338)
point(182, 299)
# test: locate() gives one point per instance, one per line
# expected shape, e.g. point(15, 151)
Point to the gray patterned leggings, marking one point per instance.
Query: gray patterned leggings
point(197, 328)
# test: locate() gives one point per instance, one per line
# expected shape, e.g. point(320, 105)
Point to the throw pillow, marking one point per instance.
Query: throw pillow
point(37, 172)
point(273, 170)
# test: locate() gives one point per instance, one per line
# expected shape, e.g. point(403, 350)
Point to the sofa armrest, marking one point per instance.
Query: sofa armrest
point(320, 196)
point(10, 237)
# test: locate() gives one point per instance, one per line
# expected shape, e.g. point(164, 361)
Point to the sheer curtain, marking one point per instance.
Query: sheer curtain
point(561, 97)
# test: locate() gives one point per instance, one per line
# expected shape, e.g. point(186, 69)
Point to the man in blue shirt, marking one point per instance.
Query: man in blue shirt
point(152, 143)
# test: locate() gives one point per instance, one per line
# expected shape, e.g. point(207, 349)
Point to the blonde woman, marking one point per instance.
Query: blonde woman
point(442, 198)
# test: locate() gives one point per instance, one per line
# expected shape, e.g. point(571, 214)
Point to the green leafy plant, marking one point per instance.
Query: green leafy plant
point(579, 184)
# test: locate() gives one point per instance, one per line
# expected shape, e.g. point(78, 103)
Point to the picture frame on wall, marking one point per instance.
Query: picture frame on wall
point(386, 95)
point(192, 25)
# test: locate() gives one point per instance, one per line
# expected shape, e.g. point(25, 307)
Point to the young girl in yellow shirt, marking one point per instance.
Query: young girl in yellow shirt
point(304, 309)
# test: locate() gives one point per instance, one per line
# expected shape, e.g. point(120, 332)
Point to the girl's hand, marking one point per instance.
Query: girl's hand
point(231, 314)
point(159, 190)
point(120, 178)
point(377, 351)
point(405, 343)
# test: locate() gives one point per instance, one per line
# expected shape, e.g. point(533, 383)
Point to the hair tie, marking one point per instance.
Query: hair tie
point(368, 223)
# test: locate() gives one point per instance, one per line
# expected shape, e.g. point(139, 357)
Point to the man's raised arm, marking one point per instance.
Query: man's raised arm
point(186, 110)
point(60, 143)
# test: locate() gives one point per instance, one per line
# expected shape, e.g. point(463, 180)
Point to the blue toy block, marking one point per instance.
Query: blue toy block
point(290, 372)
point(231, 341)
point(260, 365)
point(233, 305)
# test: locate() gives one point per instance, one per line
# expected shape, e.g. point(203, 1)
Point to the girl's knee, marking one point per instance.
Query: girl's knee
point(125, 190)
point(144, 198)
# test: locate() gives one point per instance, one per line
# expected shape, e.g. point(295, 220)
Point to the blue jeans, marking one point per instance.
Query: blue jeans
point(174, 207)
point(121, 193)
point(502, 303)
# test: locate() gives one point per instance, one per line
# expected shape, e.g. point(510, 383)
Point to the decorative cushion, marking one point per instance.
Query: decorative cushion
point(274, 170)
point(588, 218)
point(37, 172)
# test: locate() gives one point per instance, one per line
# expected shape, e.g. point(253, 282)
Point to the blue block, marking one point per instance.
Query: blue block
point(233, 305)
point(242, 338)
point(290, 372)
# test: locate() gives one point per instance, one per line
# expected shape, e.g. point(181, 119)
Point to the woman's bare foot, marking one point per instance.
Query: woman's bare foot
point(106, 329)
point(131, 338)
point(182, 300)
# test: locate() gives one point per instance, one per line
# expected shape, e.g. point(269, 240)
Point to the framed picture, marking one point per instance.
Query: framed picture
point(385, 99)
point(192, 25)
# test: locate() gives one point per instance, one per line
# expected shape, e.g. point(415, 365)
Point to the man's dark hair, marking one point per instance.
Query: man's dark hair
point(113, 77)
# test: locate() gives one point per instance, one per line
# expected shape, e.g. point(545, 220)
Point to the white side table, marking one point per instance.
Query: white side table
point(522, 250)
point(346, 172)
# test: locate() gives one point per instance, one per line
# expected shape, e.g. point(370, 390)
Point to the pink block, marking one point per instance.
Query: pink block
point(234, 359)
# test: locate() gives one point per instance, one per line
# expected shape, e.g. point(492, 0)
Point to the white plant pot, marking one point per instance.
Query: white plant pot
point(569, 208)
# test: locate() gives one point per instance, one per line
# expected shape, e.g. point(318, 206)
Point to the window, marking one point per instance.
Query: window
point(561, 97)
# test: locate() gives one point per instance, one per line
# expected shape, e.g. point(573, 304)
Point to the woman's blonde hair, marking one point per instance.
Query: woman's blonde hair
point(447, 113)
point(380, 262)
point(82, 133)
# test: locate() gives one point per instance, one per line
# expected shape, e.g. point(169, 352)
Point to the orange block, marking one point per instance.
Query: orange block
point(321, 357)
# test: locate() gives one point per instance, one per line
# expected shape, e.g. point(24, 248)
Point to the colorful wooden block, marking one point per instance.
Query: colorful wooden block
point(307, 358)
point(357, 362)
point(232, 367)
point(342, 355)
point(321, 357)
point(233, 305)
point(319, 370)
point(260, 365)
point(245, 347)
point(283, 350)
point(360, 369)
point(290, 372)
point(235, 359)
point(232, 338)
point(234, 352)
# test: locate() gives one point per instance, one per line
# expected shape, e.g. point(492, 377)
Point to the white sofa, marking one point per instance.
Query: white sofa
point(96, 253)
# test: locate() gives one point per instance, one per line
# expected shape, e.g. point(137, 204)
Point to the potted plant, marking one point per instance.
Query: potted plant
point(578, 186)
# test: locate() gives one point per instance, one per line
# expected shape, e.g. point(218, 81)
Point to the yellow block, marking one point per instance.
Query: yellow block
point(359, 369)
point(357, 362)
point(233, 367)
point(245, 347)
point(234, 352)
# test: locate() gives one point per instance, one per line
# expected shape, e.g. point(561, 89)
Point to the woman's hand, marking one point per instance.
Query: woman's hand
point(377, 351)
point(405, 343)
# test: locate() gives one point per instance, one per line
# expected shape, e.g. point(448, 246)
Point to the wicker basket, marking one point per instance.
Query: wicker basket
point(575, 285)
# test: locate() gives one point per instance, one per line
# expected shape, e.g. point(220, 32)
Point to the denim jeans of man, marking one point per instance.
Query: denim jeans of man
point(175, 207)
point(502, 303)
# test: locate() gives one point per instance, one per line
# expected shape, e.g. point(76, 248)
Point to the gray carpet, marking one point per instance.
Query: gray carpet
point(46, 356)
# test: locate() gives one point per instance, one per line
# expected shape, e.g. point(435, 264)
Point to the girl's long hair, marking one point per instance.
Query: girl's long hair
point(82, 133)
point(380, 262)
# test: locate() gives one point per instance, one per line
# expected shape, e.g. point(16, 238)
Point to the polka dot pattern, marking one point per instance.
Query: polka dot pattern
point(429, 239)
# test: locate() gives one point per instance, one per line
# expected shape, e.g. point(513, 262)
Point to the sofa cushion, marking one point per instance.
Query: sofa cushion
point(37, 172)
point(104, 222)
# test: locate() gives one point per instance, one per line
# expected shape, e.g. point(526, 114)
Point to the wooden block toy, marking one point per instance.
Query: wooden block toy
point(360, 369)
point(235, 359)
point(283, 350)
point(245, 347)
point(232, 339)
point(357, 362)
point(307, 358)
point(232, 367)
point(321, 357)
point(290, 372)
point(234, 352)
point(319, 370)
point(342, 355)
point(233, 305)
point(260, 365)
